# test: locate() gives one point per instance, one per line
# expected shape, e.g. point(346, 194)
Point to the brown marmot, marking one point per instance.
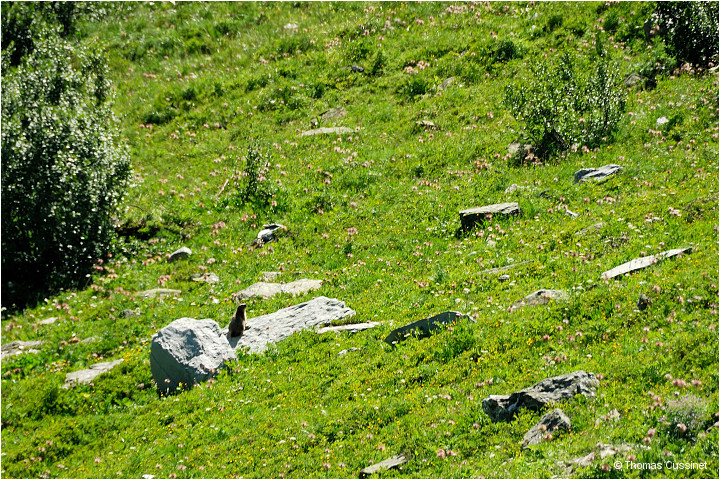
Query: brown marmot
point(238, 323)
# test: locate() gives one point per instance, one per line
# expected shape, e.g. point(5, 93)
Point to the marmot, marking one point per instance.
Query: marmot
point(238, 323)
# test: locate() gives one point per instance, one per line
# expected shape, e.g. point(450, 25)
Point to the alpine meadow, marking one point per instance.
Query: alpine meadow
point(360, 239)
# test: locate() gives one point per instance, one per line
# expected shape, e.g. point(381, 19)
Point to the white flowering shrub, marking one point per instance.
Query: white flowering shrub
point(64, 169)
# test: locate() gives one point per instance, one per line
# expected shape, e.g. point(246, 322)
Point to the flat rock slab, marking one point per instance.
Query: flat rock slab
point(188, 351)
point(479, 215)
point(210, 278)
point(180, 254)
point(18, 347)
point(548, 391)
point(89, 374)
point(48, 321)
point(539, 297)
point(549, 423)
point(643, 262)
point(326, 131)
point(423, 328)
point(601, 173)
point(352, 328)
point(277, 326)
point(392, 462)
point(267, 290)
point(159, 292)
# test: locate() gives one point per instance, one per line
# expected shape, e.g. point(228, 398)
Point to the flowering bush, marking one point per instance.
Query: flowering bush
point(690, 30)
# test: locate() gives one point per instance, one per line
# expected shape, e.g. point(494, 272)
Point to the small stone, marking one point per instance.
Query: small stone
point(514, 188)
point(392, 462)
point(446, 83)
point(357, 69)
point(492, 271)
point(267, 290)
point(159, 292)
point(479, 215)
point(539, 297)
point(601, 173)
point(549, 423)
point(343, 352)
point(129, 313)
point(48, 321)
point(662, 121)
point(326, 131)
point(89, 374)
point(209, 278)
point(180, 254)
point(503, 278)
point(426, 124)
point(352, 328)
point(596, 226)
point(270, 276)
point(18, 347)
point(423, 328)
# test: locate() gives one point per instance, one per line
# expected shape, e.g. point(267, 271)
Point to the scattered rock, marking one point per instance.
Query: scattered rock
point(352, 328)
point(570, 212)
point(291, 27)
point(180, 254)
point(129, 313)
point(327, 130)
point(159, 292)
point(492, 271)
point(392, 462)
point(270, 276)
point(89, 340)
point(267, 290)
point(188, 351)
point(662, 121)
point(601, 173)
point(210, 278)
point(279, 325)
point(601, 451)
point(88, 375)
point(539, 297)
point(503, 278)
point(551, 390)
point(48, 321)
point(514, 188)
point(329, 116)
point(642, 262)
point(18, 347)
point(343, 352)
point(596, 226)
point(423, 328)
point(268, 234)
point(426, 124)
point(357, 69)
point(550, 422)
point(634, 79)
point(643, 302)
point(479, 215)
point(446, 83)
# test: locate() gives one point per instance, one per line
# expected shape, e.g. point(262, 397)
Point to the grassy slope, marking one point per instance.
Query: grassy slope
point(301, 410)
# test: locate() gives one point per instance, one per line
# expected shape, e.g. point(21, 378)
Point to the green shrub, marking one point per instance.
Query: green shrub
point(690, 30)
point(560, 106)
point(64, 169)
point(254, 187)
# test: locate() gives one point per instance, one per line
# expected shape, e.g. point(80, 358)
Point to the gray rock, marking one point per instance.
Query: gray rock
point(426, 124)
point(446, 83)
point(601, 173)
point(89, 374)
point(642, 262)
point(18, 347)
point(279, 325)
point(352, 328)
point(357, 69)
point(180, 254)
point(267, 290)
point(159, 292)
point(343, 352)
point(48, 321)
point(210, 278)
point(514, 188)
point(643, 302)
point(270, 276)
point(550, 422)
point(268, 234)
point(290, 26)
point(539, 297)
point(333, 114)
point(423, 328)
point(392, 462)
point(326, 131)
point(596, 226)
point(548, 391)
point(187, 352)
point(89, 339)
point(479, 215)
point(662, 121)
point(129, 313)
point(634, 79)
point(570, 212)
point(503, 278)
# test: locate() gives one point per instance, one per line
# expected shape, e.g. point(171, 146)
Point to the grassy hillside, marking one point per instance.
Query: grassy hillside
point(202, 87)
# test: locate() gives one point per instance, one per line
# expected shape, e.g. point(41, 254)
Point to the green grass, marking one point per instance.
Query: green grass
point(198, 83)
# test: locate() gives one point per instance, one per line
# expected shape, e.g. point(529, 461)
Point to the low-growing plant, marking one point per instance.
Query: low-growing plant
point(686, 416)
point(561, 107)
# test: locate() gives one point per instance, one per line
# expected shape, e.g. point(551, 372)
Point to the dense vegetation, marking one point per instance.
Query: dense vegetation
point(212, 98)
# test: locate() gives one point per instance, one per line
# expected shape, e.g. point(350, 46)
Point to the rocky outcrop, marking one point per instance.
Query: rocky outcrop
point(187, 352)
point(89, 374)
point(423, 328)
point(643, 262)
point(548, 391)
point(549, 423)
point(267, 290)
point(479, 215)
point(19, 347)
point(539, 297)
point(279, 325)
